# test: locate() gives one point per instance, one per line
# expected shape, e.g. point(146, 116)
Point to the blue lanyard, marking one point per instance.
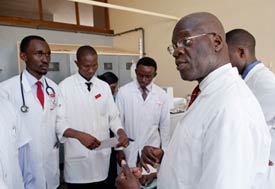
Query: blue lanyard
point(249, 67)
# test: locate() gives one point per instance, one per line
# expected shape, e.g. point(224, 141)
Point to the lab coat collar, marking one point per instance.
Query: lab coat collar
point(214, 80)
point(148, 87)
point(81, 80)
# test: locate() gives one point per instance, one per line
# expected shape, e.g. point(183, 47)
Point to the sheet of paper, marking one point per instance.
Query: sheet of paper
point(108, 143)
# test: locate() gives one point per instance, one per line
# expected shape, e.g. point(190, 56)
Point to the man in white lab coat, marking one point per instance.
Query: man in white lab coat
point(15, 161)
point(146, 120)
point(258, 77)
point(222, 141)
point(42, 111)
point(89, 108)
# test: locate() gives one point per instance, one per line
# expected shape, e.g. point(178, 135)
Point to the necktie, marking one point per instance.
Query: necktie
point(89, 84)
point(39, 93)
point(144, 93)
point(194, 95)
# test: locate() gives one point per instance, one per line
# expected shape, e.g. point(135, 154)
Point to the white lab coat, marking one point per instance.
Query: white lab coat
point(12, 138)
point(222, 141)
point(92, 112)
point(261, 81)
point(43, 126)
point(147, 122)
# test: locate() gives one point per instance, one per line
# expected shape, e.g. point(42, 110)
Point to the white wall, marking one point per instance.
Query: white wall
point(255, 16)
point(9, 36)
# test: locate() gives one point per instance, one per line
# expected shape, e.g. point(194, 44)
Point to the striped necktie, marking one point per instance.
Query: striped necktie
point(144, 93)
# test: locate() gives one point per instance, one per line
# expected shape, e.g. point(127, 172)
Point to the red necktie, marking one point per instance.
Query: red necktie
point(39, 93)
point(194, 95)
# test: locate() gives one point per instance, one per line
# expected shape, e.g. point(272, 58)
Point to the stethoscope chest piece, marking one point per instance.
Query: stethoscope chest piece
point(24, 108)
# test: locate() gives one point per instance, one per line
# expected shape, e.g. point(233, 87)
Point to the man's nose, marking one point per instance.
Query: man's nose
point(91, 70)
point(178, 51)
point(46, 58)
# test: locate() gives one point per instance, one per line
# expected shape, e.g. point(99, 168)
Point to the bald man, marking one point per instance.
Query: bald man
point(222, 141)
point(258, 77)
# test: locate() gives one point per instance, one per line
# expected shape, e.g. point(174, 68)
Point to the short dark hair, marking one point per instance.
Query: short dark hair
point(241, 37)
point(26, 41)
point(147, 61)
point(108, 77)
point(83, 50)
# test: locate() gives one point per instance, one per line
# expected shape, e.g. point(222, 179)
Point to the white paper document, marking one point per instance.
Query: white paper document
point(108, 143)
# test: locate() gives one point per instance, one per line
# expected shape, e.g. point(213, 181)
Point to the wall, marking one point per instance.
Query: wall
point(9, 36)
point(255, 16)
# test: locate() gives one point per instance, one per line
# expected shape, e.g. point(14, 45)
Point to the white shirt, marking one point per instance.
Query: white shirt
point(93, 112)
point(222, 141)
point(43, 125)
point(147, 122)
point(12, 137)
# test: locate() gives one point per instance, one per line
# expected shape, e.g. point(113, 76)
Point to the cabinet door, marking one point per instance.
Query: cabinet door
point(59, 67)
point(124, 67)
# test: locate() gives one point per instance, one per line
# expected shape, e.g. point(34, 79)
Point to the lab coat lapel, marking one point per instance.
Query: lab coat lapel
point(26, 84)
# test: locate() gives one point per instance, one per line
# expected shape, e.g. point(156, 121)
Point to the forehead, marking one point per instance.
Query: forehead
point(88, 58)
point(38, 45)
point(189, 25)
point(145, 69)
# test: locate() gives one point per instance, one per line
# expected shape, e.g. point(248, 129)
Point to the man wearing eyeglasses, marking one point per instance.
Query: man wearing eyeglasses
point(222, 141)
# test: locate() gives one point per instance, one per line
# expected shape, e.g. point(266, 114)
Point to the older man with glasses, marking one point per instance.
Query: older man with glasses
point(222, 141)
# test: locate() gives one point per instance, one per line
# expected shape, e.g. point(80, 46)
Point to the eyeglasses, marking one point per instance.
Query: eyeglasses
point(185, 42)
point(40, 54)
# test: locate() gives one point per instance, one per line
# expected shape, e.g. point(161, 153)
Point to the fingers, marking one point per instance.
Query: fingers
point(136, 172)
point(126, 170)
point(94, 143)
point(97, 142)
point(149, 157)
point(123, 141)
point(120, 157)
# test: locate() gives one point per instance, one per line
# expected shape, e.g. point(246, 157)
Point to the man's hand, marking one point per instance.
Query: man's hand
point(128, 178)
point(86, 139)
point(120, 156)
point(145, 180)
point(151, 155)
point(122, 138)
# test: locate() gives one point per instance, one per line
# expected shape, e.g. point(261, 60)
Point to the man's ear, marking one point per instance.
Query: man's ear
point(218, 42)
point(76, 62)
point(155, 74)
point(241, 52)
point(23, 56)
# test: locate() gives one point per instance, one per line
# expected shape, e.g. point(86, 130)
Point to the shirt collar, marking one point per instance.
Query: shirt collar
point(32, 80)
point(249, 67)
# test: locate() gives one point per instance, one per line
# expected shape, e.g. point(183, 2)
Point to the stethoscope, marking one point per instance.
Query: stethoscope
point(24, 108)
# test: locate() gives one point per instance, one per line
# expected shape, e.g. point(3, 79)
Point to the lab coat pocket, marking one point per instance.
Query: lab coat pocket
point(52, 165)
point(52, 101)
point(74, 150)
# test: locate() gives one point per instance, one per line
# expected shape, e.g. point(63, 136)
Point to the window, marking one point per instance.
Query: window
point(55, 14)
